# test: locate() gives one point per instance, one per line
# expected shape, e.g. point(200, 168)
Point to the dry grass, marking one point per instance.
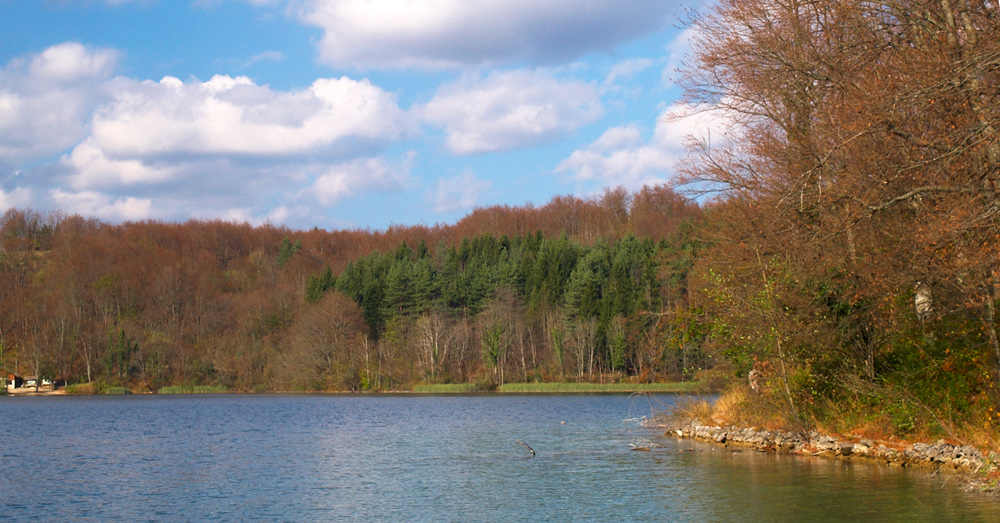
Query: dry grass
point(698, 409)
point(738, 406)
point(566, 387)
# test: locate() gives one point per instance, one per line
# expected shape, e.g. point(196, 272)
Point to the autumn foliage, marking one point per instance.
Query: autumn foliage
point(150, 304)
point(857, 224)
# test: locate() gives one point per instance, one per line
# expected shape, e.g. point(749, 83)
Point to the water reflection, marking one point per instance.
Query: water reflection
point(395, 458)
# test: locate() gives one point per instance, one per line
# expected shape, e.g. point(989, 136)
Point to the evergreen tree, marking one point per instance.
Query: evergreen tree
point(287, 249)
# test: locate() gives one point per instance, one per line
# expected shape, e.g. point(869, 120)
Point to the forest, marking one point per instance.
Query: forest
point(835, 254)
point(579, 289)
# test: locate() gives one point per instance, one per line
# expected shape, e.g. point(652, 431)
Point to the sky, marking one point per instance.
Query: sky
point(334, 113)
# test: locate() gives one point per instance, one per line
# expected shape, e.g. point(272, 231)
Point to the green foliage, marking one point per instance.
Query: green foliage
point(568, 387)
point(120, 353)
point(82, 389)
point(287, 249)
point(558, 337)
point(597, 283)
point(617, 344)
point(493, 345)
point(316, 286)
point(116, 391)
point(192, 389)
point(447, 388)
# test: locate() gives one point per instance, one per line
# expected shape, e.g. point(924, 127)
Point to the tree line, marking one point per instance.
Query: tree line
point(576, 289)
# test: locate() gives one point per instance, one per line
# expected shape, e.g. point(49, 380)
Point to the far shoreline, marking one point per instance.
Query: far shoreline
point(543, 388)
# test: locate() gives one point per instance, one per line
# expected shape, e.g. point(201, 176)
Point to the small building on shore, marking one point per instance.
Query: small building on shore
point(14, 381)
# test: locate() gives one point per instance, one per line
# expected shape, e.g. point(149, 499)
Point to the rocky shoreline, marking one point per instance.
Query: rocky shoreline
point(941, 456)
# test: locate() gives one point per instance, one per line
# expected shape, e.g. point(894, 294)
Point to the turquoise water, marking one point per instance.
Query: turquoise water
point(421, 458)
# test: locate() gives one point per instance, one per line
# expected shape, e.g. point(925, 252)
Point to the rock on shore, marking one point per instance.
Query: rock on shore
point(941, 455)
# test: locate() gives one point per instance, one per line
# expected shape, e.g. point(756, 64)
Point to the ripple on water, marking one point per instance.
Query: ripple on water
point(419, 458)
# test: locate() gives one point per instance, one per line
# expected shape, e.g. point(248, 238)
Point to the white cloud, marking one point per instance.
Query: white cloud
point(510, 110)
point(448, 33)
point(621, 157)
point(72, 62)
point(460, 193)
point(626, 69)
point(89, 203)
point(359, 176)
point(618, 138)
point(234, 116)
point(226, 146)
point(266, 56)
point(91, 168)
point(19, 197)
point(677, 51)
point(46, 100)
point(170, 149)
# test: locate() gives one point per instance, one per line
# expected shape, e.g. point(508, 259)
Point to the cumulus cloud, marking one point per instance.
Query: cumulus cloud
point(19, 197)
point(622, 157)
point(460, 193)
point(226, 136)
point(46, 100)
point(510, 110)
point(90, 203)
point(226, 147)
point(91, 167)
point(358, 176)
point(234, 116)
point(449, 33)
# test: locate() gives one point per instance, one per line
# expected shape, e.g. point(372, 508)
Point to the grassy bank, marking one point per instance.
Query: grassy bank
point(96, 389)
point(447, 388)
point(558, 388)
point(566, 387)
point(192, 389)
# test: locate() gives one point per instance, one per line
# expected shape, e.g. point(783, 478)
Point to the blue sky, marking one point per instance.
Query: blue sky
point(333, 113)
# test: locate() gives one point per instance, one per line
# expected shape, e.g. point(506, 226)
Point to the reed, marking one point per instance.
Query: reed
point(566, 387)
point(82, 389)
point(192, 389)
point(116, 391)
point(446, 388)
point(96, 388)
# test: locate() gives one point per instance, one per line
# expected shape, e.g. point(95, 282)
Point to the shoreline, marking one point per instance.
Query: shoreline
point(975, 465)
point(62, 392)
point(540, 388)
point(45, 390)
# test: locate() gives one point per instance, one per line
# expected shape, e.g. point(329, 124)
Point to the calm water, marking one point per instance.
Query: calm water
point(414, 458)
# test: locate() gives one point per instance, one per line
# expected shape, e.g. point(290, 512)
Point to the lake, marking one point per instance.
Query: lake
point(422, 458)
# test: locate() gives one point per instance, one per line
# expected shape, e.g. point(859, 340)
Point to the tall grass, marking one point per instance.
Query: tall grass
point(96, 388)
point(192, 389)
point(116, 391)
point(563, 387)
point(447, 388)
